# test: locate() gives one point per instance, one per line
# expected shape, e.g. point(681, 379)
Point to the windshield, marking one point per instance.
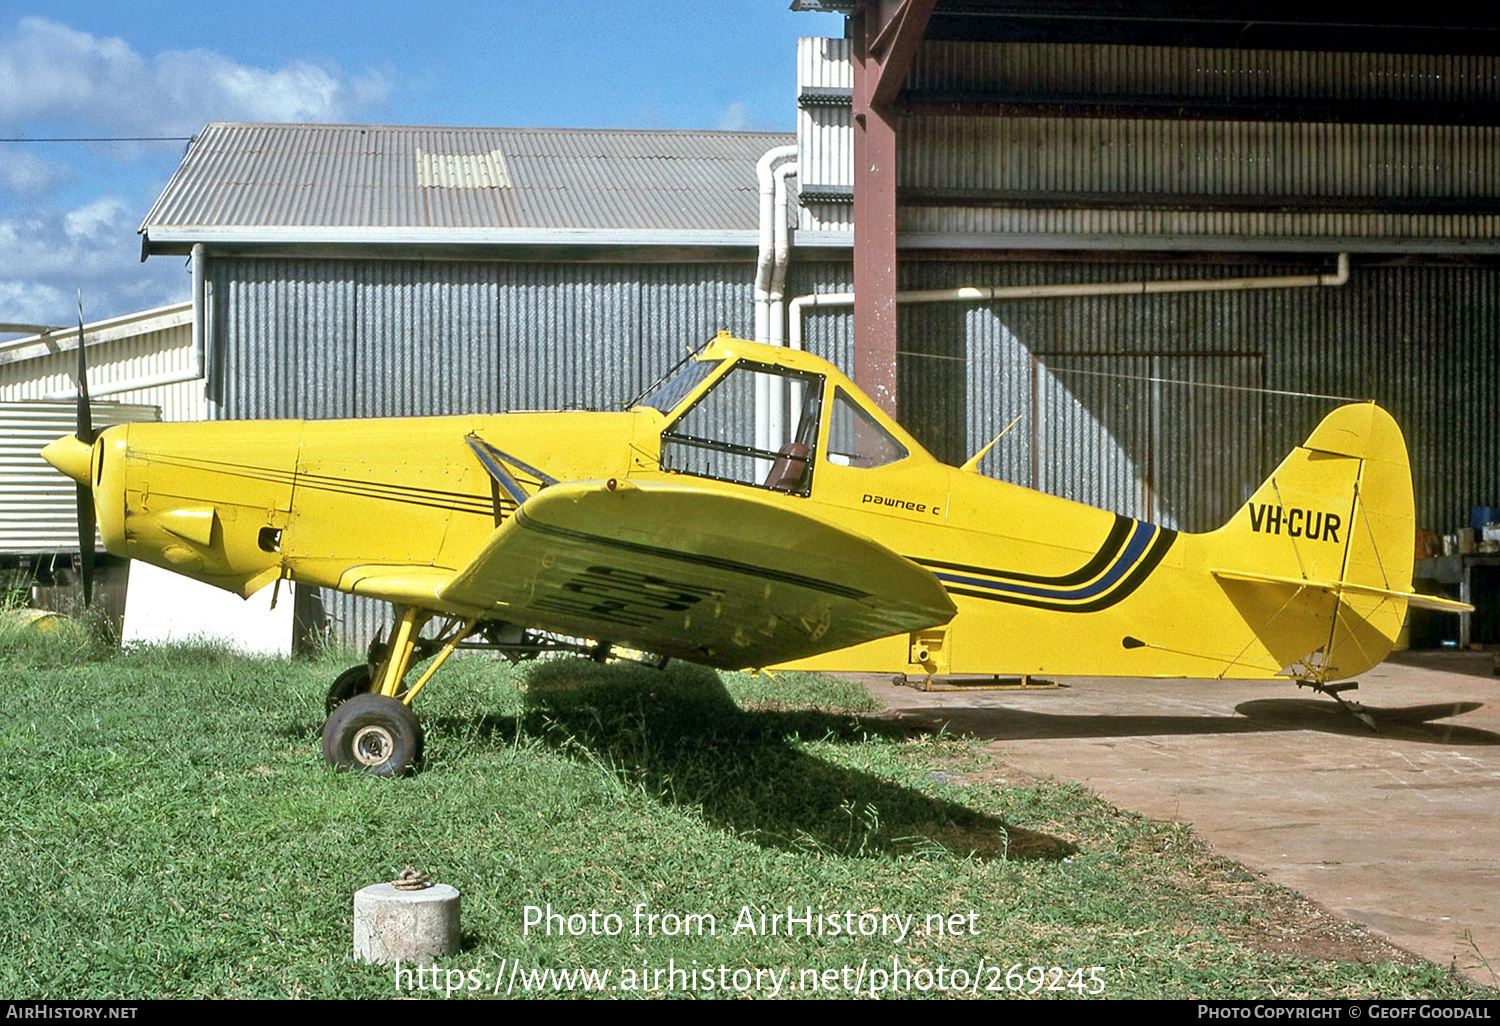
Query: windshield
point(669, 393)
point(721, 437)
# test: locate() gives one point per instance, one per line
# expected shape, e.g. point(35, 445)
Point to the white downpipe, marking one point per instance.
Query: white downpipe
point(200, 313)
point(776, 304)
point(766, 257)
point(970, 294)
point(195, 369)
point(764, 270)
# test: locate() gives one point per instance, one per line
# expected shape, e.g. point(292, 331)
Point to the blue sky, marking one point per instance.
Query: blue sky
point(69, 212)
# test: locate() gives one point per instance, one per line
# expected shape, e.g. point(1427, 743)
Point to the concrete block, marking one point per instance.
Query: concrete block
point(413, 927)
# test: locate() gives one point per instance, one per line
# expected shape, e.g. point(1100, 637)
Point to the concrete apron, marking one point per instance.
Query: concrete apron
point(1398, 830)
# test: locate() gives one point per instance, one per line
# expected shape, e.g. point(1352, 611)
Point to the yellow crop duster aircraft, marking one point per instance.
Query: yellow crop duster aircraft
point(665, 529)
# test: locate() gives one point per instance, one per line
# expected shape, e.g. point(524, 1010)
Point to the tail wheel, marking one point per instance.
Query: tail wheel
point(373, 734)
point(357, 680)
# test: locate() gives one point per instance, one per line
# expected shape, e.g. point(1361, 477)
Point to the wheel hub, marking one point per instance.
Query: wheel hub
point(373, 745)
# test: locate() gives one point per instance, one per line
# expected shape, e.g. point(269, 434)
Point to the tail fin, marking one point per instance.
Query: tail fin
point(1319, 559)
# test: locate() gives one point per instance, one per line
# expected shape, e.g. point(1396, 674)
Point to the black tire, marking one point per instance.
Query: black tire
point(373, 734)
point(357, 680)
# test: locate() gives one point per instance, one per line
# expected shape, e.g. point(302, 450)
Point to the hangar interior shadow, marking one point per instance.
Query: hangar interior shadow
point(679, 736)
point(1415, 723)
point(1467, 664)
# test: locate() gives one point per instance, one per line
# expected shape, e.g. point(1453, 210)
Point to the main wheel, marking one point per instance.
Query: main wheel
point(373, 734)
point(357, 680)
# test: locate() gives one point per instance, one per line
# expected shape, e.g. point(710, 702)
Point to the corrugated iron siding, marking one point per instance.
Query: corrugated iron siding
point(1189, 229)
point(333, 338)
point(1423, 341)
point(347, 338)
point(125, 359)
point(825, 140)
point(38, 514)
point(1104, 156)
point(1128, 157)
point(1019, 68)
point(281, 338)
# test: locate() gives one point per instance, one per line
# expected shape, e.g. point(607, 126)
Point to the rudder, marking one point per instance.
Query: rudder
point(1335, 518)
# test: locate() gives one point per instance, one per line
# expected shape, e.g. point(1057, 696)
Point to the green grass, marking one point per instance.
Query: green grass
point(169, 830)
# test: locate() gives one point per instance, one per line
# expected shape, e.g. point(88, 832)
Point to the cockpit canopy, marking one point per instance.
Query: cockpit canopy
point(734, 418)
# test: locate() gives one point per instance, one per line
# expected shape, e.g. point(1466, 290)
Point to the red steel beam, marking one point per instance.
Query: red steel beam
point(885, 34)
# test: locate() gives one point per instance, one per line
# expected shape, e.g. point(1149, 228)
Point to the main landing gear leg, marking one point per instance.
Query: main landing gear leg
point(375, 731)
point(1333, 691)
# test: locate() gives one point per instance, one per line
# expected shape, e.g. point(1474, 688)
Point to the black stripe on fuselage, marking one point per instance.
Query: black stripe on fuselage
point(458, 501)
point(1132, 581)
point(433, 498)
point(715, 562)
point(1113, 542)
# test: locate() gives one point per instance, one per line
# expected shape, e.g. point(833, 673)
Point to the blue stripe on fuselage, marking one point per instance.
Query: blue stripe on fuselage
point(1135, 547)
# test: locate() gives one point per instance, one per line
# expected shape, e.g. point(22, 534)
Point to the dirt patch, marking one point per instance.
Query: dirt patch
point(1280, 921)
point(1272, 919)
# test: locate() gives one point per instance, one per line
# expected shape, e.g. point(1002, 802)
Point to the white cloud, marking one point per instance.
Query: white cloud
point(59, 75)
point(29, 303)
point(23, 174)
point(51, 252)
point(90, 222)
point(734, 118)
point(58, 81)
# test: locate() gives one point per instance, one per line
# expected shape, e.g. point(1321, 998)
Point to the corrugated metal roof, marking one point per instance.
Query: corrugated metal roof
point(383, 183)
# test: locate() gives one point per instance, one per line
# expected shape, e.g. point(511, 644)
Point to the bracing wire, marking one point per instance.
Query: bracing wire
point(1160, 381)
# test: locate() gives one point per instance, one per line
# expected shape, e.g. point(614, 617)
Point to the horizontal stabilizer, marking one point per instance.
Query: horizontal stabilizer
point(1335, 587)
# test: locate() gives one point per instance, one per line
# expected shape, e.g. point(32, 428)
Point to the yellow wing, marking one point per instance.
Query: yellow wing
point(727, 580)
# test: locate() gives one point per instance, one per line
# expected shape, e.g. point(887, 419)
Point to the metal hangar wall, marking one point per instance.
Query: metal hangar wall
point(1049, 143)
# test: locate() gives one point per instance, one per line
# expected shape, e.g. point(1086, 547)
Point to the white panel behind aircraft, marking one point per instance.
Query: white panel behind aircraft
point(162, 606)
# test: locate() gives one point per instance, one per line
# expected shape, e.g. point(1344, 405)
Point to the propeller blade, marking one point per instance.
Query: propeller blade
point(85, 426)
point(84, 432)
point(86, 540)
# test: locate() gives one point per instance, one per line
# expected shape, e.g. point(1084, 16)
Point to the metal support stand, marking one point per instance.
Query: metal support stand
point(994, 682)
point(1333, 691)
